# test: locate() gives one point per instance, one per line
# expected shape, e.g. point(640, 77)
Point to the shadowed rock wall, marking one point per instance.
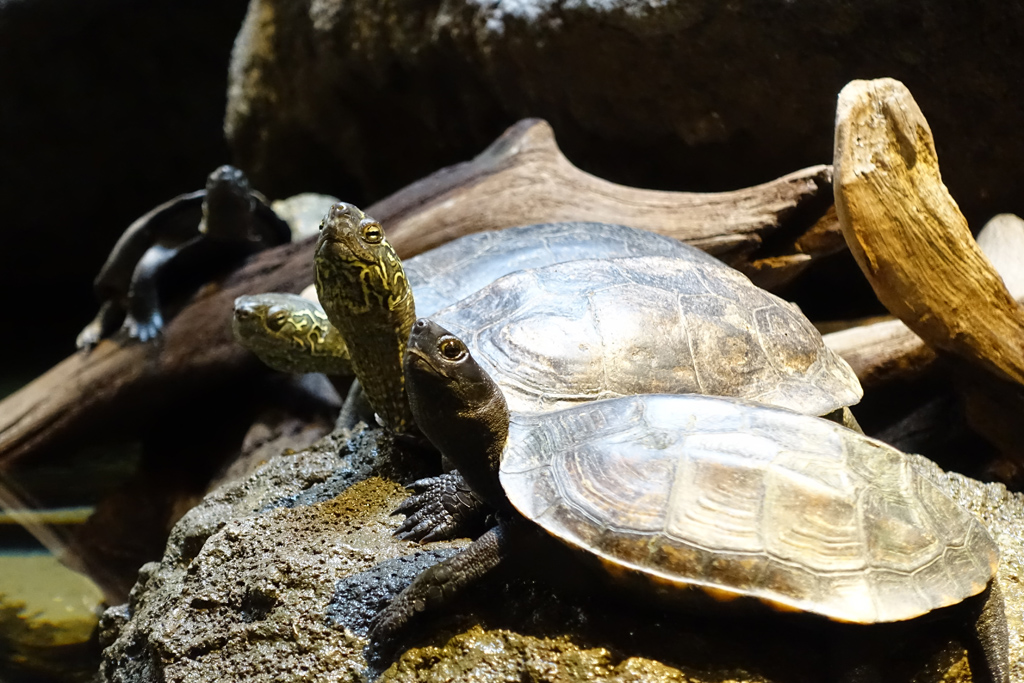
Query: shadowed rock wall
point(358, 97)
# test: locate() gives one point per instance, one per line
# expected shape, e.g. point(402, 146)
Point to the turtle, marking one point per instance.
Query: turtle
point(750, 337)
point(201, 231)
point(291, 332)
point(690, 495)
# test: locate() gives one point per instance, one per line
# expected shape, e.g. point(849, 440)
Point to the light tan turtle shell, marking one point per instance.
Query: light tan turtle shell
point(591, 329)
point(729, 496)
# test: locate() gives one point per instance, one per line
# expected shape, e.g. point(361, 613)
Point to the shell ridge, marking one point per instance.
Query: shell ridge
point(603, 356)
point(684, 323)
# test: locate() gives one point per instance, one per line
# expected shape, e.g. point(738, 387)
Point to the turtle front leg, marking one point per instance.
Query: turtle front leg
point(442, 582)
point(355, 409)
point(106, 321)
point(444, 508)
point(144, 321)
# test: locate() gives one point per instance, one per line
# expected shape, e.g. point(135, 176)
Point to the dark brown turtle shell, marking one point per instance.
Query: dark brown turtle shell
point(598, 328)
point(746, 500)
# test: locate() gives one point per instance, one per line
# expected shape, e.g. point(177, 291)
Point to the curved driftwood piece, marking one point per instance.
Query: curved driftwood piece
point(881, 352)
point(522, 178)
point(909, 237)
point(888, 350)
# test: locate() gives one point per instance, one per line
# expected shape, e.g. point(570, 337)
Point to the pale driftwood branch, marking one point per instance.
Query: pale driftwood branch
point(522, 178)
point(884, 351)
point(909, 237)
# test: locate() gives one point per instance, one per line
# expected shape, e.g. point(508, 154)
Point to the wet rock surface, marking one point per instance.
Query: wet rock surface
point(683, 94)
point(277, 577)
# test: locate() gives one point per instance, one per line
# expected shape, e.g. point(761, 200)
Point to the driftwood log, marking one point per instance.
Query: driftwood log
point(916, 249)
point(887, 350)
point(909, 237)
point(771, 231)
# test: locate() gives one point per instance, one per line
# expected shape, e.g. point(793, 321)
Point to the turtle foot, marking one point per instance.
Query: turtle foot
point(143, 330)
point(439, 584)
point(88, 337)
point(444, 508)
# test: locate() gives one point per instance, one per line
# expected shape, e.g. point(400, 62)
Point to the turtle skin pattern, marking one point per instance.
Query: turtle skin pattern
point(289, 333)
point(747, 500)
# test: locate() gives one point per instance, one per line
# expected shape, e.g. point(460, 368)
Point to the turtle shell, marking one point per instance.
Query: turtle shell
point(592, 329)
point(443, 276)
point(453, 271)
point(746, 500)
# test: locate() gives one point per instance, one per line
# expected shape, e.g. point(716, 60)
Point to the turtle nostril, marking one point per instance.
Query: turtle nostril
point(421, 323)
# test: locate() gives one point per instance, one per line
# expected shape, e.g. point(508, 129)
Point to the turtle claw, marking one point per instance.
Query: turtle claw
point(426, 528)
point(443, 509)
point(143, 330)
point(428, 521)
point(425, 484)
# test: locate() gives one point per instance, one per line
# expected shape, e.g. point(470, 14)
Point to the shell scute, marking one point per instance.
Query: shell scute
point(630, 492)
point(787, 339)
point(717, 497)
point(812, 521)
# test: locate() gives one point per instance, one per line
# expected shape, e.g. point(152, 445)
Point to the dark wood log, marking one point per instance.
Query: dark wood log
point(522, 178)
point(881, 352)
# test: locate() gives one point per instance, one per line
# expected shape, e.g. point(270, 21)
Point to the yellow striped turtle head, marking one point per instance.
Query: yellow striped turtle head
point(289, 333)
point(362, 288)
point(357, 269)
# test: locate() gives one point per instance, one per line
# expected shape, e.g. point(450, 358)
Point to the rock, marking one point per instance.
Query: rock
point(346, 95)
point(277, 576)
point(130, 523)
point(110, 108)
point(303, 212)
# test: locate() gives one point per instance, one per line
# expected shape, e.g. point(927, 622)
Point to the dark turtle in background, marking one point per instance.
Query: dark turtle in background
point(685, 495)
point(202, 232)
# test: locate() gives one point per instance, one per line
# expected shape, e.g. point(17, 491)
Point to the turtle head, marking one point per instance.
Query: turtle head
point(289, 333)
point(258, 317)
point(352, 235)
point(228, 206)
point(457, 406)
point(357, 269)
point(362, 287)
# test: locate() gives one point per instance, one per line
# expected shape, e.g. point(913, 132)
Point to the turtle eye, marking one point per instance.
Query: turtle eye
point(372, 233)
point(277, 320)
point(452, 349)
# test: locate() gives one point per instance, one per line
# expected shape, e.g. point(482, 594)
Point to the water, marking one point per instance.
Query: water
point(49, 606)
